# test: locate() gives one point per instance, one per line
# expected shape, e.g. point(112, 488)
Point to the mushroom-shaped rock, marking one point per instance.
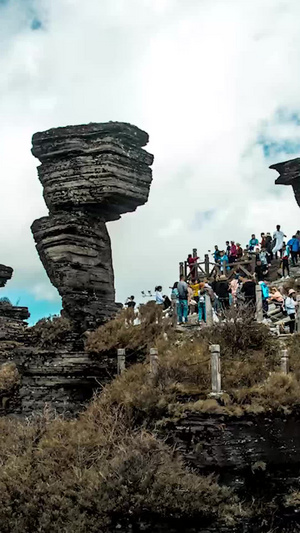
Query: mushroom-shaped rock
point(91, 174)
point(289, 174)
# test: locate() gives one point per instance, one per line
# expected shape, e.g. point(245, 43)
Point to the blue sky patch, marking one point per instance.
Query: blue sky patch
point(275, 145)
point(36, 24)
point(38, 308)
point(201, 217)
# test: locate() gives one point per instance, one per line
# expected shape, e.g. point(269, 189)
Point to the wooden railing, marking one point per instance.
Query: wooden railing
point(208, 269)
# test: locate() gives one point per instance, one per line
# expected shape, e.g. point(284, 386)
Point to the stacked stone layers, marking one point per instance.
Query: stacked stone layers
point(91, 174)
point(5, 274)
point(99, 166)
point(289, 174)
point(76, 253)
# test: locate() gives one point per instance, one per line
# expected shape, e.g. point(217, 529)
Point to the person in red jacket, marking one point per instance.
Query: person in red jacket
point(233, 252)
point(193, 267)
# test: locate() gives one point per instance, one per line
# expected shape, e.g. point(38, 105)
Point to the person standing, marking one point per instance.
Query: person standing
point(182, 300)
point(233, 253)
point(253, 243)
point(290, 307)
point(159, 295)
point(285, 261)
point(224, 261)
point(227, 248)
point(130, 303)
point(201, 306)
point(217, 254)
point(278, 237)
point(294, 245)
point(239, 251)
point(269, 247)
point(192, 262)
point(249, 291)
point(222, 290)
point(263, 240)
point(265, 296)
point(263, 257)
point(234, 285)
point(261, 270)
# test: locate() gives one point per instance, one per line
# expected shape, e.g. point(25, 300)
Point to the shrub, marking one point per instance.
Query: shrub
point(95, 473)
point(52, 331)
point(294, 355)
point(9, 377)
point(239, 334)
point(118, 333)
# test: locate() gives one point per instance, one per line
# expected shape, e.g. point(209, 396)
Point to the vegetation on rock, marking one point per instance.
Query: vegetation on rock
point(51, 332)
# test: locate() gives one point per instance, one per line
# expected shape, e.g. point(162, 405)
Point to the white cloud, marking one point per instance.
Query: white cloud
point(203, 77)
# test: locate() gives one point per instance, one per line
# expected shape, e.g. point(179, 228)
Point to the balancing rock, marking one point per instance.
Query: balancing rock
point(91, 174)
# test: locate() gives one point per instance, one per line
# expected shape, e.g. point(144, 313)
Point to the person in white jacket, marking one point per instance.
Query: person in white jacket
point(278, 236)
point(290, 305)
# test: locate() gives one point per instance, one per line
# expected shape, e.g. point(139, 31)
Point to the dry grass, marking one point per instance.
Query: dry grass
point(94, 474)
point(9, 377)
point(50, 332)
point(294, 355)
point(118, 333)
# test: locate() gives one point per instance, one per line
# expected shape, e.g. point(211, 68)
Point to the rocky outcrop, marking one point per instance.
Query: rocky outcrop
point(5, 274)
point(91, 174)
point(289, 174)
point(12, 317)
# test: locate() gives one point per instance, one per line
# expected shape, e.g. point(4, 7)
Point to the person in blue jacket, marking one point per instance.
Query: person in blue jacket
point(294, 245)
point(253, 242)
point(265, 296)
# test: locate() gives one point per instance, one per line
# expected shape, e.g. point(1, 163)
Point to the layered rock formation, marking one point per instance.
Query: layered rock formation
point(91, 174)
point(289, 174)
point(5, 274)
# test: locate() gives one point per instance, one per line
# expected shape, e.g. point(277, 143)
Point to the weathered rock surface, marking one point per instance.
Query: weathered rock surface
point(75, 250)
point(5, 274)
point(100, 167)
point(62, 378)
point(289, 174)
point(91, 174)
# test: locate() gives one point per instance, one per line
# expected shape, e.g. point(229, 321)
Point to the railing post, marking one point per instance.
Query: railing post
point(195, 268)
point(185, 269)
point(153, 361)
point(215, 364)
point(284, 362)
point(206, 264)
point(298, 320)
point(181, 270)
point(224, 268)
point(174, 312)
point(121, 360)
point(259, 304)
point(253, 264)
point(208, 310)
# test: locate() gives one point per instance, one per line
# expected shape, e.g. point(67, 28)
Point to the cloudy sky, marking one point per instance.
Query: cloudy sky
point(215, 83)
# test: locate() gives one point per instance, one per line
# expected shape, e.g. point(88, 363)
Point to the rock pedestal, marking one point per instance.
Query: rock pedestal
point(91, 174)
point(289, 174)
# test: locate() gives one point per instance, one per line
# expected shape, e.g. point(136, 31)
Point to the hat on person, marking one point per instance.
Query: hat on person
point(291, 291)
point(223, 277)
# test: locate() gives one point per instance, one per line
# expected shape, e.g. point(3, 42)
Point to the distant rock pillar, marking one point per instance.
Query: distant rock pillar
point(289, 174)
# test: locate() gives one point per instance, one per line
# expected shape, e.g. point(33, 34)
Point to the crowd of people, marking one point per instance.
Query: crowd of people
point(264, 250)
point(189, 297)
